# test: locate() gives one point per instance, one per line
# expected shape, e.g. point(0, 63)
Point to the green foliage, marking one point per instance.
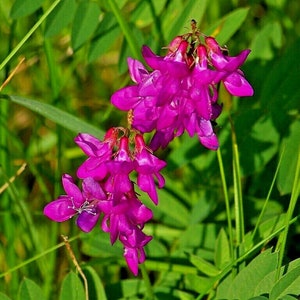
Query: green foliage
point(22, 8)
point(75, 57)
point(72, 288)
point(85, 22)
point(29, 290)
point(60, 17)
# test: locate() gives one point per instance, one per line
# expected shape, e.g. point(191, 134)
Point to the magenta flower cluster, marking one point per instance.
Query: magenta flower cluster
point(108, 190)
point(181, 92)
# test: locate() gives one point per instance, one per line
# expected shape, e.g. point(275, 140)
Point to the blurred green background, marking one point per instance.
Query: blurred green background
point(75, 60)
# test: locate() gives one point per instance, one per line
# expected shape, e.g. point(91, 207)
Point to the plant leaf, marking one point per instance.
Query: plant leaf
point(287, 284)
point(72, 288)
point(204, 266)
point(4, 297)
point(183, 14)
point(225, 28)
point(29, 290)
point(85, 23)
point(22, 8)
point(222, 252)
point(287, 168)
point(58, 116)
point(60, 17)
point(96, 288)
point(106, 34)
point(244, 284)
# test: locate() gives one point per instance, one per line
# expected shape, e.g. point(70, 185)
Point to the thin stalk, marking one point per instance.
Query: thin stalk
point(8, 225)
point(29, 33)
point(281, 244)
point(238, 198)
point(54, 84)
point(147, 282)
point(227, 203)
point(36, 257)
point(25, 216)
point(258, 222)
point(157, 24)
point(127, 31)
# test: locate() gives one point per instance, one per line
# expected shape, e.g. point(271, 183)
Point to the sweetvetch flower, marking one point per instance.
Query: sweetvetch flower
point(233, 79)
point(148, 168)
point(83, 204)
point(99, 153)
point(180, 94)
point(125, 220)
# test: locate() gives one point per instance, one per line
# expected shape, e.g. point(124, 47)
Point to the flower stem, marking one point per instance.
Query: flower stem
point(294, 196)
point(227, 204)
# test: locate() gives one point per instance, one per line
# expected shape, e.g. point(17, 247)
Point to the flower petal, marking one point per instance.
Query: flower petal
point(72, 190)
point(87, 221)
point(131, 257)
point(136, 69)
point(92, 189)
point(60, 210)
point(237, 85)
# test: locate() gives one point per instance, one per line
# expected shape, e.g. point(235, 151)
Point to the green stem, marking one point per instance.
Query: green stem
point(29, 33)
point(281, 244)
point(127, 31)
point(36, 257)
point(227, 203)
point(258, 222)
point(147, 282)
point(238, 199)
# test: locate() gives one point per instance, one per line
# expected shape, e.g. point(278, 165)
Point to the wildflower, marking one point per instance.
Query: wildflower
point(234, 79)
point(108, 190)
point(83, 204)
point(99, 153)
point(180, 94)
point(148, 167)
point(125, 220)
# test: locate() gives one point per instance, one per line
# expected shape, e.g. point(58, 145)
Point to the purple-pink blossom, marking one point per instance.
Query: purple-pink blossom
point(181, 92)
point(108, 191)
point(83, 204)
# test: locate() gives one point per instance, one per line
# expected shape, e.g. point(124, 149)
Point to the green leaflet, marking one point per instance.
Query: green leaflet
point(56, 115)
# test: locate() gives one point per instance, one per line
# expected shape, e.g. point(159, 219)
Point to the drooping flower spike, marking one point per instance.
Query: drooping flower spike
point(108, 192)
point(180, 94)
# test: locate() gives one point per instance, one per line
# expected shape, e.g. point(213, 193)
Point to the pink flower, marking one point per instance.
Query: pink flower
point(76, 203)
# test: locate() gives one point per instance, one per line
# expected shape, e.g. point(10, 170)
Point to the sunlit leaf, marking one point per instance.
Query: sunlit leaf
point(29, 290)
point(287, 284)
point(61, 16)
point(225, 28)
point(96, 288)
point(291, 146)
point(178, 21)
point(222, 252)
point(268, 282)
point(58, 116)
point(204, 266)
point(244, 284)
point(85, 23)
point(22, 8)
point(72, 288)
point(105, 36)
point(4, 297)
